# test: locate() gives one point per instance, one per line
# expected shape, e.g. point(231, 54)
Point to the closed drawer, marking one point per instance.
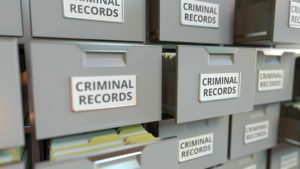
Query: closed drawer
point(93, 86)
point(202, 142)
point(274, 75)
point(285, 156)
point(10, 18)
point(139, 157)
point(253, 161)
point(192, 21)
point(11, 121)
point(207, 82)
point(117, 20)
point(254, 131)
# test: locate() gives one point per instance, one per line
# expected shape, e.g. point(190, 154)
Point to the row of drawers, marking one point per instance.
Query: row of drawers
point(250, 134)
point(126, 20)
point(85, 95)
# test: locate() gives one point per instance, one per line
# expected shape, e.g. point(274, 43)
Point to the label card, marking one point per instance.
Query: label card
point(251, 167)
point(270, 80)
point(103, 92)
point(294, 14)
point(289, 161)
point(196, 147)
point(99, 10)
point(219, 86)
point(199, 13)
point(256, 132)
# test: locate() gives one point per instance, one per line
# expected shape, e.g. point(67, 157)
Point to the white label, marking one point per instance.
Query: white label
point(219, 86)
point(289, 161)
point(270, 80)
point(99, 10)
point(196, 147)
point(251, 167)
point(103, 92)
point(294, 14)
point(199, 13)
point(256, 132)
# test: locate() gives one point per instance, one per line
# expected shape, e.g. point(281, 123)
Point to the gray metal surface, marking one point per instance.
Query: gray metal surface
point(14, 166)
point(256, 161)
point(182, 99)
point(276, 60)
point(279, 152)
point(157, 155)
point(11, 121)
point(10, 18)
point(218, 126)
point(262, 113)
point(53, 63)
point(48, 21)
point(165, 25)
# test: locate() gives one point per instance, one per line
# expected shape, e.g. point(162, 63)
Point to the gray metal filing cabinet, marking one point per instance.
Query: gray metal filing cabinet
point(253, 161)
point(193, 21)
point(85, 86)
point(156, 155)
point(254, 131)
point(10, 18)
point(202, 144)
point(207, 82)
point(13, 166)
point(267, 22)
point(11, 113)
point(284, 156)
point(274, 75)
point(120, 20)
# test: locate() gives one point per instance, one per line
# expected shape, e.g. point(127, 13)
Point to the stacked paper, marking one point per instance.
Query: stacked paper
point(97, 141)
point(11, 155)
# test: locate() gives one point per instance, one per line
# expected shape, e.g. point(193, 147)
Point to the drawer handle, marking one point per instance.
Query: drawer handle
point(272, 60)
point(221, 59)
point(105, 59)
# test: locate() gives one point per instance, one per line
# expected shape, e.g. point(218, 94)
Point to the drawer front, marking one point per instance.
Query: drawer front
point(285, 156)
point(214, 134)
point(91, 86)
point(13, 166)
point(253, 161)
point(274, 76)
point(287, 21)
point(184, 24)
point(10, 18)
point(196, 99)
point(147, 158)
point(124, 20)
point(11, 121)
point(254, 131)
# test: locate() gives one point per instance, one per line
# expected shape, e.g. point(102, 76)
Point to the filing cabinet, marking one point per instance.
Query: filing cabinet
point(119, 20)
point(11, 114)
point(253, 161)
point(284, 156)
point(14, 166)
point(202, 144)
point(93, 86)
point(267, 22)
point(156, 155)
point(274, 75)
point(10, 18)
point(207, 82)
point(192, 21)
point(254, 131)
